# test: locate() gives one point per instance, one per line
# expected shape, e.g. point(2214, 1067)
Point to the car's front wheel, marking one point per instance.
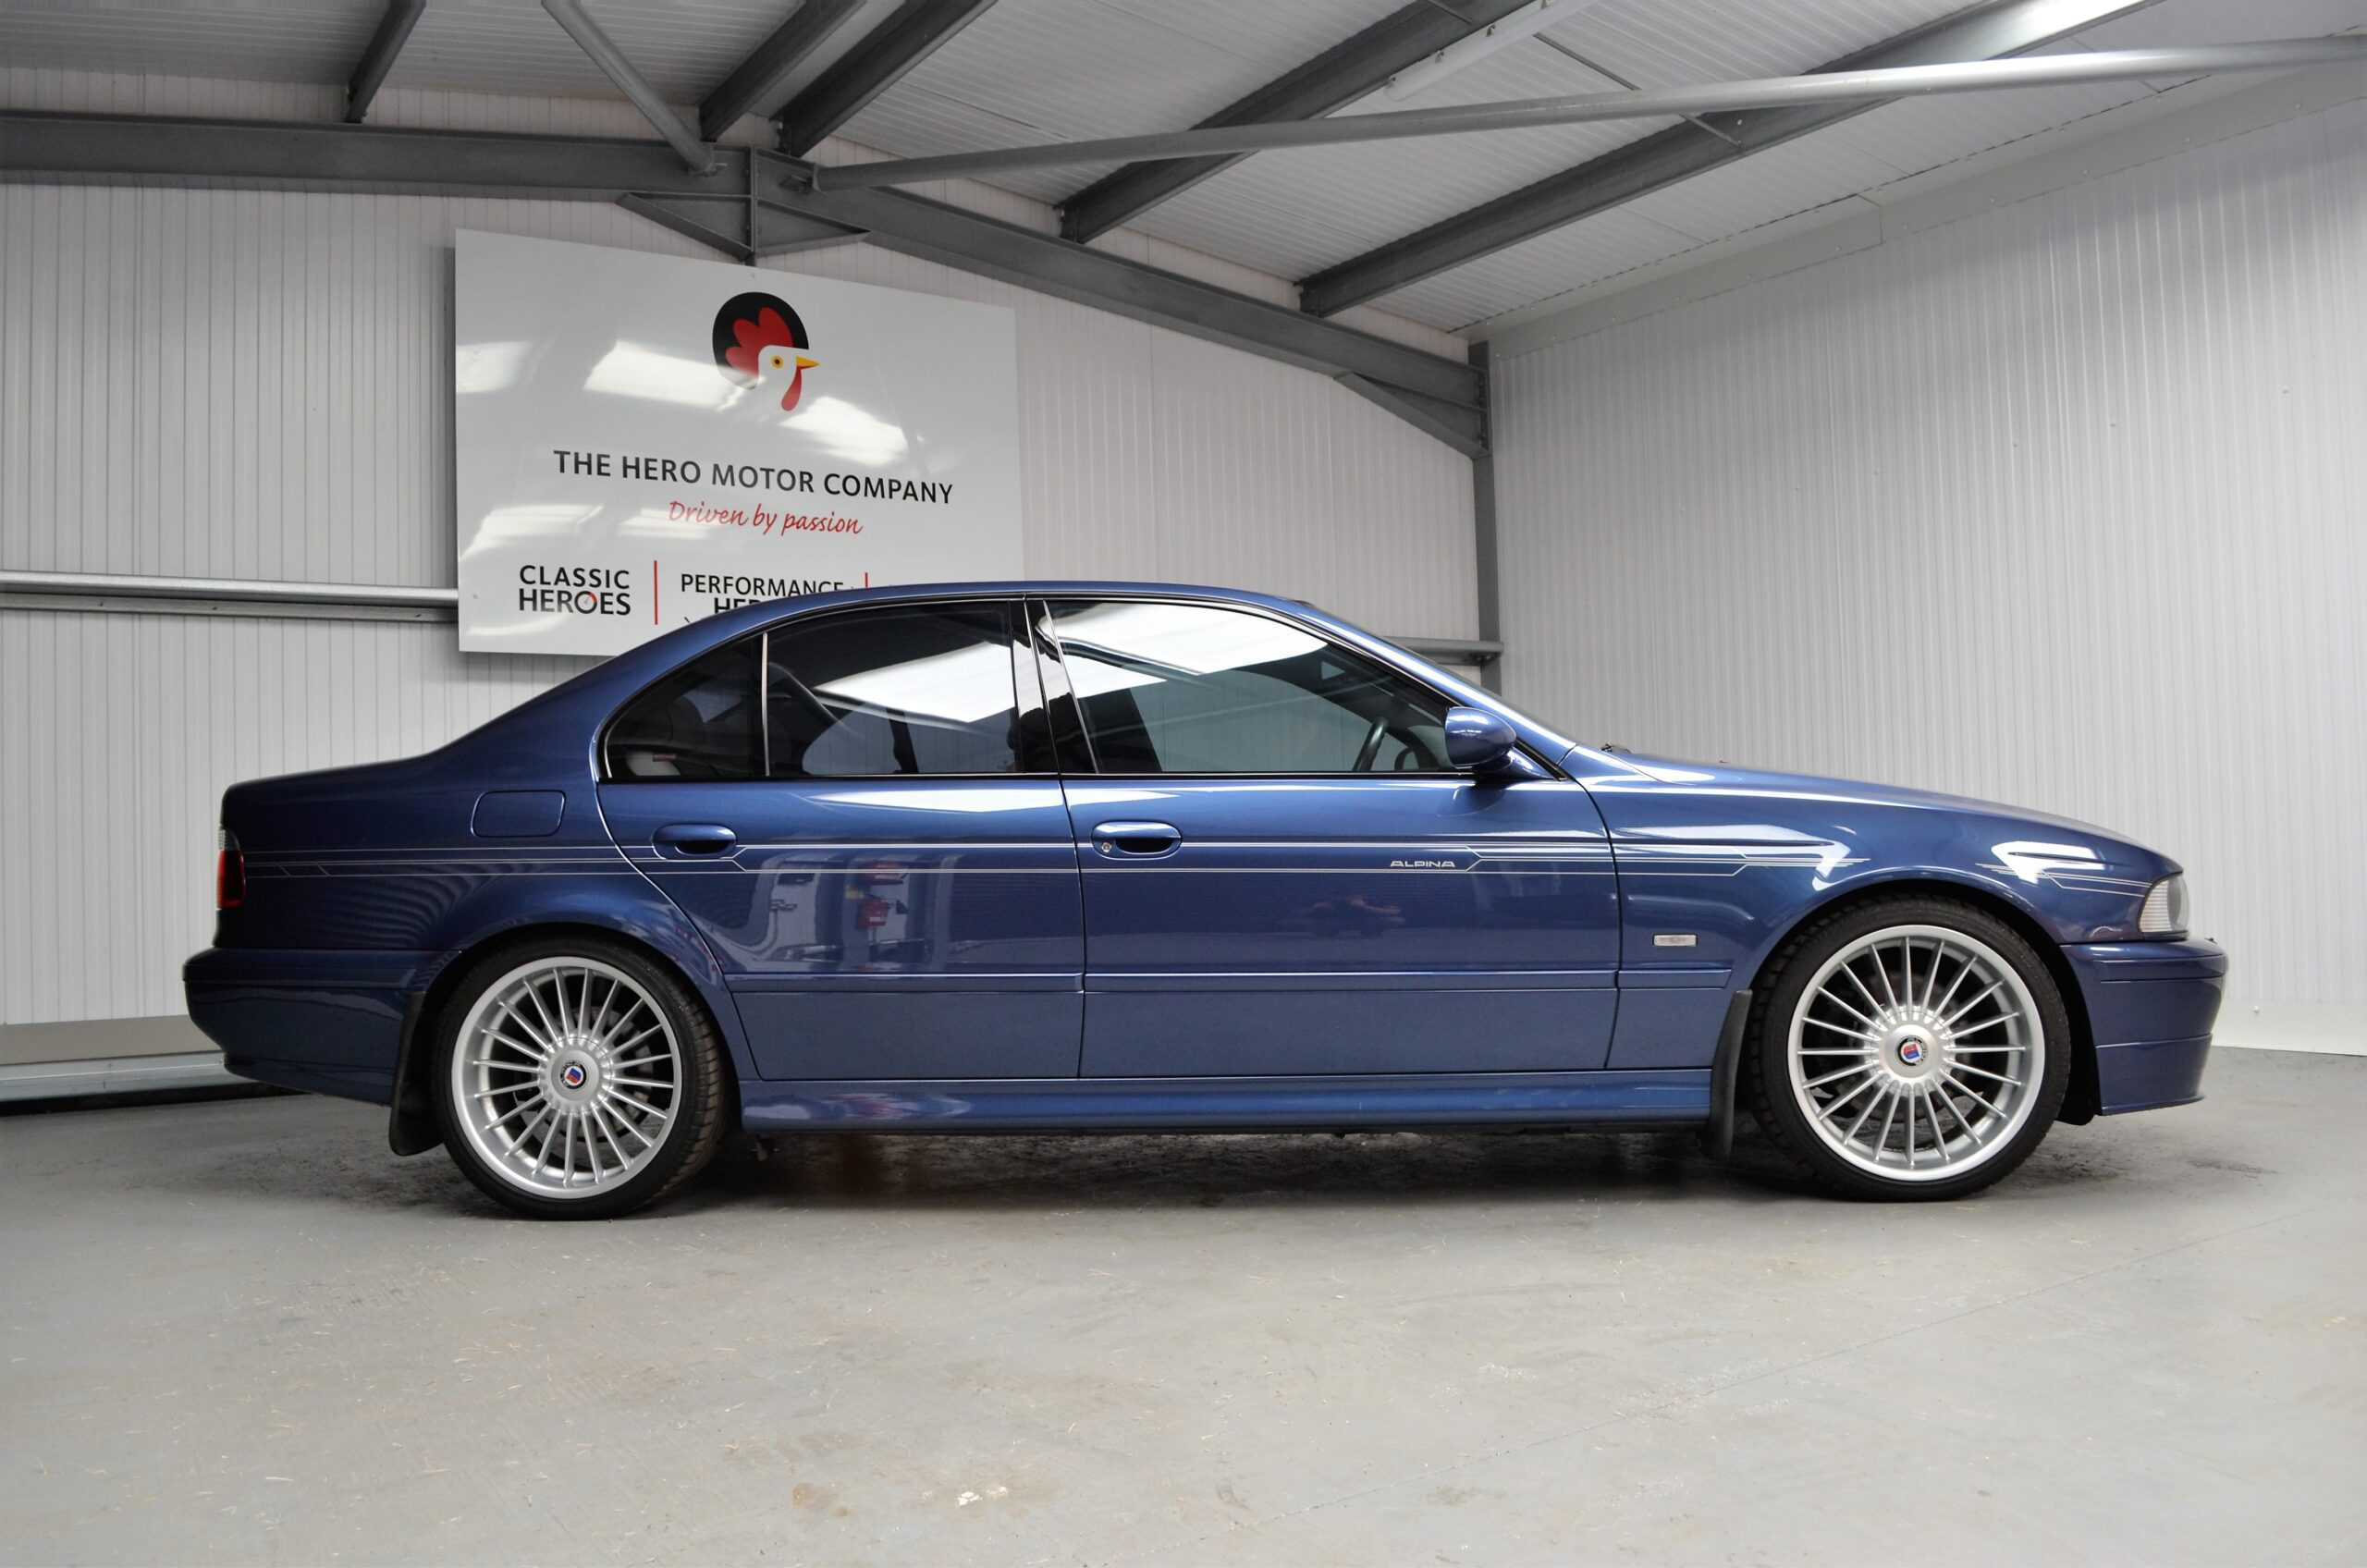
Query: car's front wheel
point(1910, 1048)
point(577, 1078)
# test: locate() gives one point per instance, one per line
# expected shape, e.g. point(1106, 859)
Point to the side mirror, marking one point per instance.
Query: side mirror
point(1478, 741)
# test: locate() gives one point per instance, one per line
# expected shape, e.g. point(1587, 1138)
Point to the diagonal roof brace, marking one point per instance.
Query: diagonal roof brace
point(681, 136)
point(394, 31)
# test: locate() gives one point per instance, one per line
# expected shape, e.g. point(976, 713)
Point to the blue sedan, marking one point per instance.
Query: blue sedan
point(1112, 856)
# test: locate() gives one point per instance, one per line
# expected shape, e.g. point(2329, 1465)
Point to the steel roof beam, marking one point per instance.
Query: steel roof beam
point(679, 133)
point(1334, 78)
point(108, 147)
point(1990, 32)
point(918, 30)
point(760, 82)
point(394, 30)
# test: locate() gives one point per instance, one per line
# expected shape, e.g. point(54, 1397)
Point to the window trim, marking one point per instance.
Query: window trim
point(1040, 605)
point(1015, 629)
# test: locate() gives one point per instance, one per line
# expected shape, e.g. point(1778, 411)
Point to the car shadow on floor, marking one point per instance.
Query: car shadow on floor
point(1200, 1170)
point(1115, 1172)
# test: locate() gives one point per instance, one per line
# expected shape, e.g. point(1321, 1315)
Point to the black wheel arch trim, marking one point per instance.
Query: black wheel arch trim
point(1718, 1132)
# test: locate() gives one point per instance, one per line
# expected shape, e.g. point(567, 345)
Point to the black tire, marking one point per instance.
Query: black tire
point(1767, 1082)
point(689, 1139)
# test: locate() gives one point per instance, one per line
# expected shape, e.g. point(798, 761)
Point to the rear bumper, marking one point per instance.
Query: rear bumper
point(330, 1021)
point(2151, 1006)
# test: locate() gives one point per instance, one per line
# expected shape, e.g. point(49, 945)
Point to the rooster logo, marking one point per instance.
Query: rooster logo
point(758, 335)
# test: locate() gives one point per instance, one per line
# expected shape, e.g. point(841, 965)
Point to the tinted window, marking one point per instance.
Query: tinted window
point(699, 722)
point(924, 689)
point(1198, 689)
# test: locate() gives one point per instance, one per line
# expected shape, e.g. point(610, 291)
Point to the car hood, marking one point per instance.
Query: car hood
point(1696, 794)
point(1726, 778)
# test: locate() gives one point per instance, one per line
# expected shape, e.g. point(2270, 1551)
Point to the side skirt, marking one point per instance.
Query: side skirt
point(1656, 1099)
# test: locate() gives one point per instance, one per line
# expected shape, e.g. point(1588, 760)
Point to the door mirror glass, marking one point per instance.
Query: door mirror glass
point(1478, 741)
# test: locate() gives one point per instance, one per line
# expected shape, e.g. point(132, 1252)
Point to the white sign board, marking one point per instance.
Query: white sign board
point(641, 441)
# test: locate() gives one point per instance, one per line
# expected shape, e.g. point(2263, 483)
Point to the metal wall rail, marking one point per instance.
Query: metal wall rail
point(369, 601)
point(223, 595)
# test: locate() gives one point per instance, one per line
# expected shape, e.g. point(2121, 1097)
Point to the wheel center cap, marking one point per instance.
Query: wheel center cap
point(1914, 1051)
point(575, 1075)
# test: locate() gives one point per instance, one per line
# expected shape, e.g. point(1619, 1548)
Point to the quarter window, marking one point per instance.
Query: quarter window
point(698, 723)
point(1174, 688)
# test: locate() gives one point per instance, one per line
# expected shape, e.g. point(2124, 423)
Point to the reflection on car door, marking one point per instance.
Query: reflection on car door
point(859, 810)
point(1283, 877)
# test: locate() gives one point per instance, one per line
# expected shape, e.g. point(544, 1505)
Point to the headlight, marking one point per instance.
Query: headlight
point(2165, 910)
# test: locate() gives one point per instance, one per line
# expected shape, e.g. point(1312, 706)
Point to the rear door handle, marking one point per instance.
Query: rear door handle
point(1136, 840)
point(696, 838)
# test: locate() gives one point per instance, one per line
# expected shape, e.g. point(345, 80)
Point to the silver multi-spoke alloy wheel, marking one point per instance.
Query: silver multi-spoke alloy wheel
point(566, 1074)
point(1916, 1052)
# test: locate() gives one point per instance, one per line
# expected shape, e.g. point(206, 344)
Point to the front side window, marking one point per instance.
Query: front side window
point(1174, 688)
point(924, 688)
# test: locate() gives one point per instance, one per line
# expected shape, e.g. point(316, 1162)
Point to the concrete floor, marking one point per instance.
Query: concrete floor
point(242, 1331)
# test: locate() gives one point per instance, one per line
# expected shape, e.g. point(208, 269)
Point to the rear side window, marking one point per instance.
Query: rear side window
point(699, 723)
point(928, 688)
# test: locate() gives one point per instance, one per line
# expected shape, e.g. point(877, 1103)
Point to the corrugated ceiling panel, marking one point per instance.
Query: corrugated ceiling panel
point(513, 46)
point(2060, 427)
point(1298, 212)
point(1859, 156)
point(2177, 23)
point(1053, 70)
point(684, 47)
point(1577, 253)
point(1789, 179)
point(315, 40)
point(97, 92)
point(1924, 133)
point(1654, 43)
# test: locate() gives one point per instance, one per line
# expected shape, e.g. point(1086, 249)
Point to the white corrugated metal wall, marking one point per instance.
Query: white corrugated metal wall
point(257, 385)
point(2059, 505)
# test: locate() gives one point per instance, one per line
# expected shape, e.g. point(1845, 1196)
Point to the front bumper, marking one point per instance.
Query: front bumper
point(327, 1020)
point(2151, 1006)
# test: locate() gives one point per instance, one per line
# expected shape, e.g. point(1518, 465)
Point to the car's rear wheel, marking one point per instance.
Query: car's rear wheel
point(576, 1079)
point(1910, 1048)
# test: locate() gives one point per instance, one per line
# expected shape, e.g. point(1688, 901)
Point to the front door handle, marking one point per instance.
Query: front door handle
point(1137, 839)
point(696, 838)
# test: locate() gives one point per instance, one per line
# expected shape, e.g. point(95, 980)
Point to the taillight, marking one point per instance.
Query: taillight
point(229, 873)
